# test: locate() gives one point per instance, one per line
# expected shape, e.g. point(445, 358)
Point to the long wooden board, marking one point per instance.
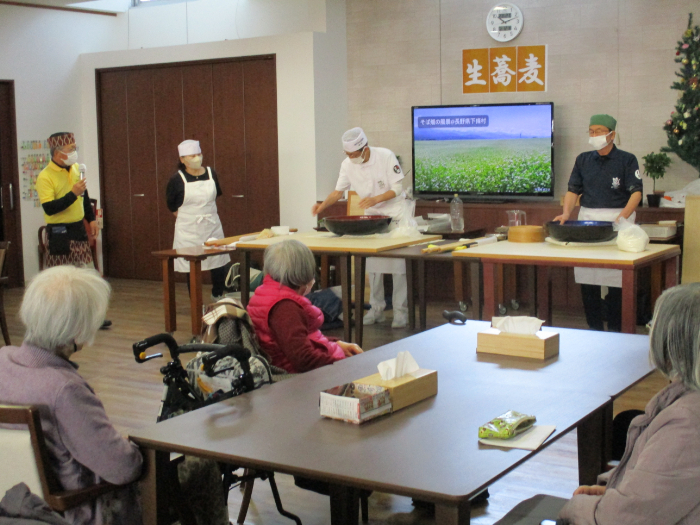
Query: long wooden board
point(544, 251)
point(691, 240)
point(329, 242)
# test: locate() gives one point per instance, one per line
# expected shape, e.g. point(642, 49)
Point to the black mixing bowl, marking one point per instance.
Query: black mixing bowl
point(581, 231)
point(357, 224)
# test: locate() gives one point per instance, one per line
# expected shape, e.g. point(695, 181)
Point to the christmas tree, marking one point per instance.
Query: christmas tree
point(683, 128)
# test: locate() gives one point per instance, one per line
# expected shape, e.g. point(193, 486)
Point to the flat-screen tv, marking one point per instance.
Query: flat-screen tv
point(486, 151)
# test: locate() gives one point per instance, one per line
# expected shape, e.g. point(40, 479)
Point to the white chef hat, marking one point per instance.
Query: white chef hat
point(189, 147)
point(354, 139)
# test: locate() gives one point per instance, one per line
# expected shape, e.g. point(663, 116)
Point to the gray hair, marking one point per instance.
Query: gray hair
point(64, 305)
point(290, 263)
point(675, 334)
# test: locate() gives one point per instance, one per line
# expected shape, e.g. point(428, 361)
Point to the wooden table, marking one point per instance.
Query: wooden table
point(427, 451)
point(194, 256)
point(662, 258)
point(416, 266)
point(345, 247)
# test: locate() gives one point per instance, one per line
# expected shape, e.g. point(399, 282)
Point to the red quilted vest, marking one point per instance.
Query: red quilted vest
point(267, 295)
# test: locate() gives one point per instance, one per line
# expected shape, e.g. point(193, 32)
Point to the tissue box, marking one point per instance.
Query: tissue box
point(541, 345)
point(355, 403)
point(408, 389)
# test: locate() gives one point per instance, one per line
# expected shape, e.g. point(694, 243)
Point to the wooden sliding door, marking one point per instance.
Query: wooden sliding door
point(10, 218)
point(230, 106)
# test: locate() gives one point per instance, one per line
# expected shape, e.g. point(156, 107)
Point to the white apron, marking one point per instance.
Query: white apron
point(197, 220)
point(600, 276)
point(386, 264)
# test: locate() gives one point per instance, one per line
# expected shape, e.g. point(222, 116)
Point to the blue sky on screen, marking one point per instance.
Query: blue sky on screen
point(504, 122)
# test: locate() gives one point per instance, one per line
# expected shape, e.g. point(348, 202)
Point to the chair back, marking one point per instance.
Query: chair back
point(18, 448)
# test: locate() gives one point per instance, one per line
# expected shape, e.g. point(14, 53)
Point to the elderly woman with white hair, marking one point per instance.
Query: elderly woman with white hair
point(658, 478)
point(286, 323)
point(62, 310)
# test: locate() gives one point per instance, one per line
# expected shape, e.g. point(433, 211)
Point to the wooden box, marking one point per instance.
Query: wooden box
point(542, 345)
point(408, 389)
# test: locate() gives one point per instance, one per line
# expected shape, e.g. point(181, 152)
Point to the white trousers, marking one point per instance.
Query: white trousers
point(399, 297)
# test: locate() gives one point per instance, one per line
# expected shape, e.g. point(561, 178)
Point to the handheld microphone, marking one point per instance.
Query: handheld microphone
point(81, 169)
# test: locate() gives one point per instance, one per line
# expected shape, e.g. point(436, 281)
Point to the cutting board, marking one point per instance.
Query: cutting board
point(329, 242)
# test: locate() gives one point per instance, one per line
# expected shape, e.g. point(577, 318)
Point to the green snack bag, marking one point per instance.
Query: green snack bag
point(507, 425)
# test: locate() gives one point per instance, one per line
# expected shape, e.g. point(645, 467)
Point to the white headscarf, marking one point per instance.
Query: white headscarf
point(189, 147)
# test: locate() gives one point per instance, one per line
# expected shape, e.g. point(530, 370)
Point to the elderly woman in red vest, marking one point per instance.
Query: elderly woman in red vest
point(286, 322)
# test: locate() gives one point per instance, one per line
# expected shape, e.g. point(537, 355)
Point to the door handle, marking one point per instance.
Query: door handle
point(1, 205)
point(237, 196)
point(139, 194)
point(12, 199)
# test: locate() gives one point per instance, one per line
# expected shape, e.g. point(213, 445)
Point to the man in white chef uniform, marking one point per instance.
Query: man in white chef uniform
point(610, 186)
point(375, 174)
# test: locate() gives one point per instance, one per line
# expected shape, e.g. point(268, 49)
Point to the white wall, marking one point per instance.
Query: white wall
point(216, 20)
point(39, 50)
point(331, 97)
point(55, 86)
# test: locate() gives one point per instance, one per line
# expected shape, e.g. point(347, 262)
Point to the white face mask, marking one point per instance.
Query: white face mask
point(358, 160)
point(71, 158)
point(599, 142)
point(194, 162)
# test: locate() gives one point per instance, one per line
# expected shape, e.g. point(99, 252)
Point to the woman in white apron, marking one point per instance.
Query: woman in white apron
point(610, 186)
point(191, 195)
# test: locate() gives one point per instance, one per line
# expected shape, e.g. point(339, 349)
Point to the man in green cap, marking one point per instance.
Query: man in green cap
point(610, 186)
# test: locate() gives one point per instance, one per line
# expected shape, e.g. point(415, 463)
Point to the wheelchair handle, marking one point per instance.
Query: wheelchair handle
point(140, 348)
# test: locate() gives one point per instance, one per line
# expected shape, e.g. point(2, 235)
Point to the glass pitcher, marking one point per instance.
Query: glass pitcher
point(516, 218)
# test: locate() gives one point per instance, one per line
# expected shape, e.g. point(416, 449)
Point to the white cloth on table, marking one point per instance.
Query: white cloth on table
point(600, 276)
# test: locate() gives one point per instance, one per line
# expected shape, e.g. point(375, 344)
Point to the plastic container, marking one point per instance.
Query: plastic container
point(457, 214)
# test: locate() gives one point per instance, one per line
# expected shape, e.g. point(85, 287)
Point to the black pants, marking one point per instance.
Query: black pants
point(218, 279)
point(598, 310)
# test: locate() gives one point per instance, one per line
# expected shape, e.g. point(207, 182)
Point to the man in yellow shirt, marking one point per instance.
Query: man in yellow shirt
point(66, 203)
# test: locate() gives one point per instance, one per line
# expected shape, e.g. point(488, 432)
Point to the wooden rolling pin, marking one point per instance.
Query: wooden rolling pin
point(229, 240)
point(236, 238)
point(452, 246)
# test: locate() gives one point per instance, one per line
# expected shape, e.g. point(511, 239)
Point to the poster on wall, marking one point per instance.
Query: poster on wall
point(33, 161)
point(504, 69)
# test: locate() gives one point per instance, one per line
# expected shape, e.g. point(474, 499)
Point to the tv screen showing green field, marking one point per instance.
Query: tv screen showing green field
point(503, 149)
